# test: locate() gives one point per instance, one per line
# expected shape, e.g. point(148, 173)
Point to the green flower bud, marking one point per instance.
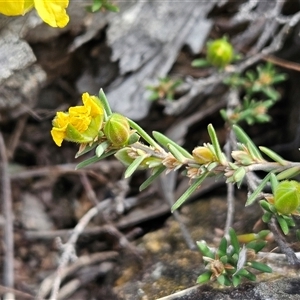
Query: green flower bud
point(117, 130)
point(287, 197)
point(203, 155)
point(242, 157)
point(219, 53)
point(239, 174)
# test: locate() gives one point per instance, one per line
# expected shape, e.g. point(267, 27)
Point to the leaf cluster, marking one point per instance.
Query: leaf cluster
point(230, 263)
point(102, 5)
point(258, 83)
point(165, 89)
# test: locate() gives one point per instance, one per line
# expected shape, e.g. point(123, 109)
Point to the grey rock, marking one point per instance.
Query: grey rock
point(33, 213)
point(146, 40)
point(281, 289)
point(15, 54)
point(19, 92)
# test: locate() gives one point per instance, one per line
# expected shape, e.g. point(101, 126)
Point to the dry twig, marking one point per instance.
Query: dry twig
point(8, 265)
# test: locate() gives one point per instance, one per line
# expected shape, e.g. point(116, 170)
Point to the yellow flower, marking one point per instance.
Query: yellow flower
point(80, 124)
point(52, 12)
point(80, 117)
point(93, 102)
point(15, 7)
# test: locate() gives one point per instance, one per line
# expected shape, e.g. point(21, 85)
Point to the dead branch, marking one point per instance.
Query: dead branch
point(82, 261)
point(198, 86)
point(8, 264)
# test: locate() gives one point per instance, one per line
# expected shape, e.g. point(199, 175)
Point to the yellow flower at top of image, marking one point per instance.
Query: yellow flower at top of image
point(81, 124)
point(52, 12)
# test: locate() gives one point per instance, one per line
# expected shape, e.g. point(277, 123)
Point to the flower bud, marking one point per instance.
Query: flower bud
point(242, 157)
point(117, 130)
point(219, 53)
point(203, 155)
point(239, 174)
point(287, 197)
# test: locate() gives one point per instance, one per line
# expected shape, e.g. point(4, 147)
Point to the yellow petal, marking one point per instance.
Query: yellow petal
point(94, 103)
point(53, 12)
point(61, 120)
point(79, 110)
point(80, 117)
point(58, 135)
point(15, 7)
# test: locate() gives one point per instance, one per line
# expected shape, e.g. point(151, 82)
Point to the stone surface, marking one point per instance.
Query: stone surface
point(170, 269)
point(146, 41)
point(281, 289)
point(15, 54)
point(33, 213)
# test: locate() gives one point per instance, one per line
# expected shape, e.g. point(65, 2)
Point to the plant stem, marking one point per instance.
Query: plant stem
point(283, 245)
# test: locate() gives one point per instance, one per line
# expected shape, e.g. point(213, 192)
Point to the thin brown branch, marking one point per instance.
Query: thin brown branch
point(283, 63)
point(15, 137)
point(6, 199)
point(82, 261)
point(20, 295)
point(103, 166)
point(283, 245)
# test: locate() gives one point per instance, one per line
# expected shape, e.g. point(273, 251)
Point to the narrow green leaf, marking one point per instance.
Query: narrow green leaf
point(249, 276)
point(149, 180)
point(256, 245)
point(165, 141)
point(236, 280)
point(134, 165)
point(260, 266)
point(101, 148)
point(105, 102)
point(205, 277)
point(267, 216)
point(198, 63)
point(252, 151)
point(222, 247)
point(221, 280)
point(212, 165)
point(153, 96)
point(265, 205)
point(274, 182)
point(263, 233)
point(112, 7)
point(234, 240)
point(289, 221)
point(215, 142)
point(289, 173)
point(144, 135)
point(204, 249)
point(94, 159)
point(273, 155)
point(189, 192)
point(242, 272)
point(224, 258)
point(245, 139)
point(283, 224)
point(133, 138)
point(224, 280)
point(258, 190)
point(96, 6)
point(177, 154)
